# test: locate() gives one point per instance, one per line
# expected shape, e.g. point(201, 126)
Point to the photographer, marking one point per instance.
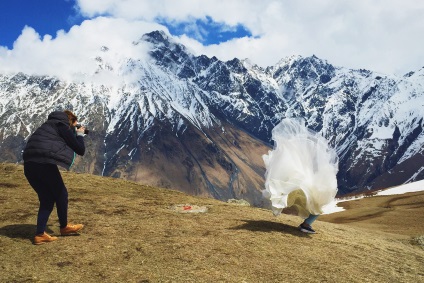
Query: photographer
point(56, 142)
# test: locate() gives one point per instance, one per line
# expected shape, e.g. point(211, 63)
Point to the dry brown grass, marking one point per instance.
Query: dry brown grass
point(131, 235)
point(397, 214)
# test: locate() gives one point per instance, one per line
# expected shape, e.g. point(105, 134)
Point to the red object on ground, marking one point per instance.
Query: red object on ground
point(186, 207)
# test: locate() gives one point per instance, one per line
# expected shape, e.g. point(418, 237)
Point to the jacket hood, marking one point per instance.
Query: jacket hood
point(58, 116)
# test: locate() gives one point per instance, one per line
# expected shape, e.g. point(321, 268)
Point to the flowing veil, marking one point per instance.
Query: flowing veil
point(300, 170)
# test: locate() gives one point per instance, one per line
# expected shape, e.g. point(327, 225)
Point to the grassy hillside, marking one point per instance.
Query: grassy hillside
point(133, 235)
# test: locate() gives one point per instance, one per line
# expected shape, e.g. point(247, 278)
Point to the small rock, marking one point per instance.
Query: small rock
point(241, 202)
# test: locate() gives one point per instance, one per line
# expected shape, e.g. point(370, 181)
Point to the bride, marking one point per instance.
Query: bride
point(301, 171)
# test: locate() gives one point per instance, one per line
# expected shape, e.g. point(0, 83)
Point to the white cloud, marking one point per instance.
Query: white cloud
point(379, 35)
point(71, 54)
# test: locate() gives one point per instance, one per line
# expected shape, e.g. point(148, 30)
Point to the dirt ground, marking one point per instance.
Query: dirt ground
point(132, 234)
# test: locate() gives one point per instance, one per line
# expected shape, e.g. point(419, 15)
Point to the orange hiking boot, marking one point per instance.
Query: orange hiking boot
point(71, 229)
point(43, 238)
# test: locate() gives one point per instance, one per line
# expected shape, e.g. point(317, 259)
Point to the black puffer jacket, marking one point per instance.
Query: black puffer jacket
point(54, 142)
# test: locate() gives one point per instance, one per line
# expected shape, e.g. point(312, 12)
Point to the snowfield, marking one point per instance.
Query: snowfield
point(403, 189)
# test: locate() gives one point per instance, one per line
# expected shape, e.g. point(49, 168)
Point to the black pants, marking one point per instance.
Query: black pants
point(46, 180)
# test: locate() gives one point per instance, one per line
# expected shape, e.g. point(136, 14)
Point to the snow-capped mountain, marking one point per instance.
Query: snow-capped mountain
point(201, 125)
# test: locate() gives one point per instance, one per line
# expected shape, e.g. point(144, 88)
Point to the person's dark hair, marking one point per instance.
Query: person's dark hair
point(71, 116)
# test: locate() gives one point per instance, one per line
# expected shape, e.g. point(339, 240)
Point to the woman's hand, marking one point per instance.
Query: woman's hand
point(80, 131)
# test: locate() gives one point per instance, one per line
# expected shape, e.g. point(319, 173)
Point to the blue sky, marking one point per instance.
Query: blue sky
point(206, 31)
point(379, 35)
point(45, 16)
point(49, 16)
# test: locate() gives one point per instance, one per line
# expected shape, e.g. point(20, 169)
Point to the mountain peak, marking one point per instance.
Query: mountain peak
point(305, 68)
point(299, 60)
point(156, 37)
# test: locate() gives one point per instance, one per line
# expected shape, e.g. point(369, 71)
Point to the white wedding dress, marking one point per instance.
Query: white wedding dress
point(301, 169)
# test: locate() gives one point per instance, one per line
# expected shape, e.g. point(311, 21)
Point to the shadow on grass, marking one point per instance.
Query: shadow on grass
point(20, 231)
point(268, 226)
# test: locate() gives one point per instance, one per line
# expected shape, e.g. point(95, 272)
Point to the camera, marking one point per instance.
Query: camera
point(85, 131)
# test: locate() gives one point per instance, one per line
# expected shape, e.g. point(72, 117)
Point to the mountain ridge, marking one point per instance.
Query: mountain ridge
point(187, 113)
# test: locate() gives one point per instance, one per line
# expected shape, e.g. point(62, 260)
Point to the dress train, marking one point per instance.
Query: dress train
point(301, 169)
